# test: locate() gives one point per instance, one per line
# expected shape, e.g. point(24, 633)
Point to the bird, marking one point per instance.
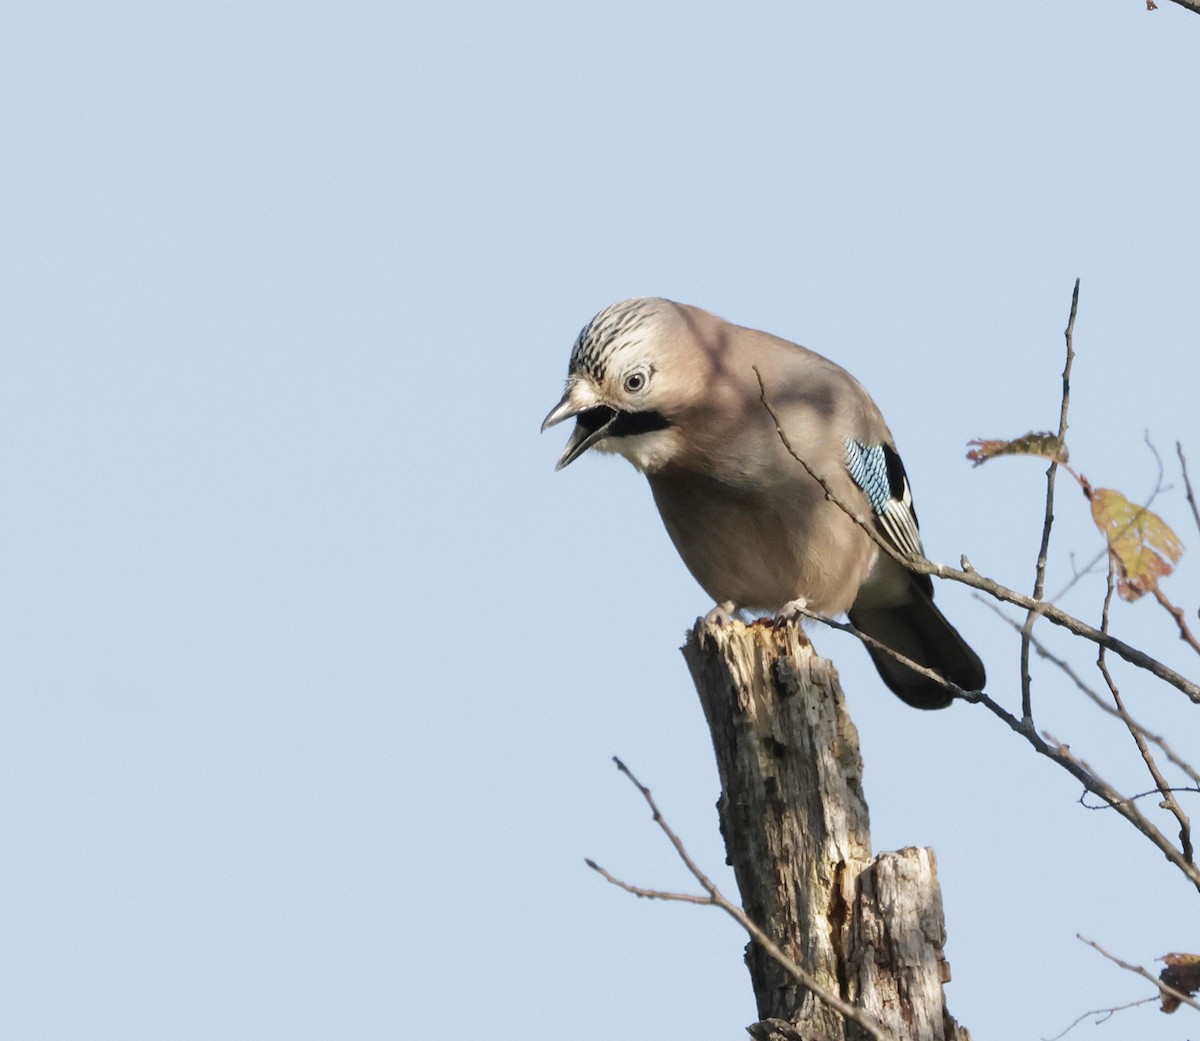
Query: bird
point(676, 391)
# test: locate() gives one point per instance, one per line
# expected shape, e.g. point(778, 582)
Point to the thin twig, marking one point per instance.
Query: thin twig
point(648, 894)
point(1103, 1015)
point(1126, 808)
point(1082, 800)
point(717, 899)
point(1039, 583)
point(1185, 633)
point(1177, 613)
point(1187, 484)
point(1169, 803)
point(1159, 485)
point(1053, 750)
point(970, 577)
point(1122, 714)
point(1164, 988)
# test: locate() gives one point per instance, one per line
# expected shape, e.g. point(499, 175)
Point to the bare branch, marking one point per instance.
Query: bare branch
point(1103, 1015)
point(717, 899)
point(1163, 988)
point(1122, 714)
point(1125, 807)
point(1187, 5)
point(1159, 486)
point(1169, 802)
point(1052, 749)
point(1039, 583)
point(1082, 800)
point(1185, 633)
point(1187, 484)
point(705, 882)
point(648, 894)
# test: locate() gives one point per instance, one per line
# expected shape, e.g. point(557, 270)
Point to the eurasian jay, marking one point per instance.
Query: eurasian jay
point(674, 390)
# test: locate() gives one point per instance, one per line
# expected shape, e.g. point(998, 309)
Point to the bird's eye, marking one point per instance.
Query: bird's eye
point(635, 381)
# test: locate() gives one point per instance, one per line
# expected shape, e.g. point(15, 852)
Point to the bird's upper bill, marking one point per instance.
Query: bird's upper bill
point(593, 421)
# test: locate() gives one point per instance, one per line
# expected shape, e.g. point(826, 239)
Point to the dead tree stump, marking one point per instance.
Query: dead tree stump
point(797, 834)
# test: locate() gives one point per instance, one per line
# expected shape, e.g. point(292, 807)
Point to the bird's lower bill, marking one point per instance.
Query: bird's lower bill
point(590, 427)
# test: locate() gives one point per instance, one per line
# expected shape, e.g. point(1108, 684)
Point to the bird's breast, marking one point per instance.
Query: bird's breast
point(763, 543)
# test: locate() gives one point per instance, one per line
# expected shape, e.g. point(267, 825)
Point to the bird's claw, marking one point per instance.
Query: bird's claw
point(722, 614)
point(794, 611)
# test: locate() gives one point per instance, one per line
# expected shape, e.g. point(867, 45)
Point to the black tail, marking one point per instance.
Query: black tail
point(919, 631)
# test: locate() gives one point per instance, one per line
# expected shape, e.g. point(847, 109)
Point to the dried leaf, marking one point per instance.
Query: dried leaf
point(1046, 445)
point(1183, 974)
point(1140, 541)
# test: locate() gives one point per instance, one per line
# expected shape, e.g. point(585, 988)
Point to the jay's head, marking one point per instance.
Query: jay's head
point(635, 372)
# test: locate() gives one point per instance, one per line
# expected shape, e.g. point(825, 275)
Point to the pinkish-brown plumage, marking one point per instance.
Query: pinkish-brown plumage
point(676, 391)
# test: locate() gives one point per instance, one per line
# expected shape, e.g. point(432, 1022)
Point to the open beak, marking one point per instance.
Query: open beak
point(592, 422)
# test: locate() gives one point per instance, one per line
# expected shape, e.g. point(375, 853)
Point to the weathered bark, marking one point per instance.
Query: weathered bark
point(797, 834)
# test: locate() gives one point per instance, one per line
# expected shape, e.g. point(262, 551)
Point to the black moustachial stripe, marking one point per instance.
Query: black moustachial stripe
point(621, 424)
point(629, 423)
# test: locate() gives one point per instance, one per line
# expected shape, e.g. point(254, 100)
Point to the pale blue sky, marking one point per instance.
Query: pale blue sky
point(312, 664)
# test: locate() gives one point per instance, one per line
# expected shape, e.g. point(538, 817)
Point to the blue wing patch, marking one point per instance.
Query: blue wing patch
point(877, 470)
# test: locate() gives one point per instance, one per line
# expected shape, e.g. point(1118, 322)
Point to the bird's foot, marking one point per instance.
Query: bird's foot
point(794, 611)
point(722, 614)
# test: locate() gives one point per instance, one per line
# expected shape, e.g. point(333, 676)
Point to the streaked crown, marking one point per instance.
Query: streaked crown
point(619, 327)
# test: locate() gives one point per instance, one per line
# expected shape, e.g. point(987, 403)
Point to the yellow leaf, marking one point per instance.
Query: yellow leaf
point(1140, 541)
point(1046, 445)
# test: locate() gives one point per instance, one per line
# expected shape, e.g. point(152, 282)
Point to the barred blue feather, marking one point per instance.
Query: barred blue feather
point(877, 470)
